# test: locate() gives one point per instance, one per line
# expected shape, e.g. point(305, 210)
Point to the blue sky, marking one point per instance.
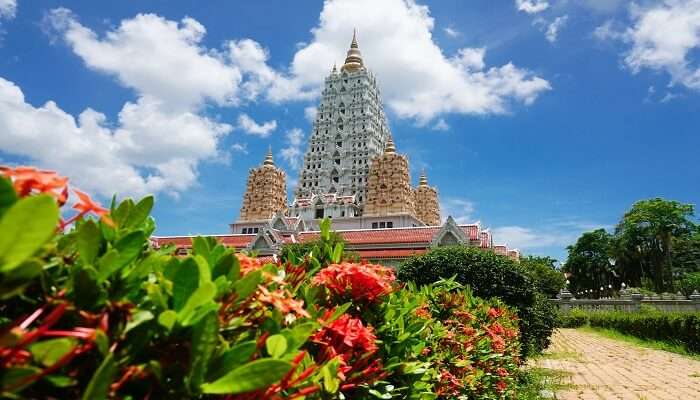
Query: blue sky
point(542, 119)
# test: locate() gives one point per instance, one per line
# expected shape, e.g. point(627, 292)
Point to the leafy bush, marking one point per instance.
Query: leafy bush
point(489, 276)
point(572, 319)
point(689, 283)
point(92, 310)
point(547, 278)
point(679, 328)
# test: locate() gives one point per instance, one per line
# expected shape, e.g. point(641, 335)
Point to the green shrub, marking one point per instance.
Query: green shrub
point(678, 328)
point(572, 319)
point(489, 275)
point(689, 283)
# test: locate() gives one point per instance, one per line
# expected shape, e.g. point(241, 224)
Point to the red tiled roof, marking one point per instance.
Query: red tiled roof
point(389, 253)
point(417, 235)
point(237, 241)
point(392, 235)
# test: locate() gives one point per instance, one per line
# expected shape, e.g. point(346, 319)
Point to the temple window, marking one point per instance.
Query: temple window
point(375, 225)
point(390, 224)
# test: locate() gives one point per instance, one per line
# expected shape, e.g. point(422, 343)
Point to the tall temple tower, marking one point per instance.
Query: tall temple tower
point(389, 190)
point(349, 131)
point(427, 205)
point(266, 192)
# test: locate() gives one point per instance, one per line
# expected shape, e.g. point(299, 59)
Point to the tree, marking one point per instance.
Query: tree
point(544, 272)
point(647, 232)
point(589, 263)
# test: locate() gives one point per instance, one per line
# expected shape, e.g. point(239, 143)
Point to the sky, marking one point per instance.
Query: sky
point(541, 119)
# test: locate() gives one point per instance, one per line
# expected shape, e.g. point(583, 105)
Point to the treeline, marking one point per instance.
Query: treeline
point(655, 247)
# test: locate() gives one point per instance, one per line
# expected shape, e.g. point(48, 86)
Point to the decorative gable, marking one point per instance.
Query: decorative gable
point(450, 234)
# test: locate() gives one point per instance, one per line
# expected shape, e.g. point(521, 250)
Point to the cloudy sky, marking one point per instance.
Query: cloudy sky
point(540, 118)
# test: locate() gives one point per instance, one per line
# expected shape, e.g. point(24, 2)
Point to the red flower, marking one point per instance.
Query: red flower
point(85, 205)
point(498, 344)
point(502, 372)
point(495, 312)
point(501, 386)
point(29, 180)
point(248, 264)
point(362, 282)
point(283, 301)
point(346, 337)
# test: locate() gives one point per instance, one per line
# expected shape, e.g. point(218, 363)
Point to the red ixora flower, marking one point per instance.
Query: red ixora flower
point(29, 180)
point(495, 312)
point(501, 386)
point(362, 282)
point(248, 264)
point(346, 337)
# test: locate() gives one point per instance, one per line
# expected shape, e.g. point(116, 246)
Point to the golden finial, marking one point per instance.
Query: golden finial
point(390, 147)
point(423, 179)
point(268, 158)
point(353, 61)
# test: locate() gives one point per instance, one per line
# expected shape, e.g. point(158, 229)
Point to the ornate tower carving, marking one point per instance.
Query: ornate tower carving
point(266, 192)
point(388, 185)
point(350, 129)
point(427, 206)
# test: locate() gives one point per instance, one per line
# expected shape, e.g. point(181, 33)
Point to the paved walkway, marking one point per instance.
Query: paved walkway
point(595, 367)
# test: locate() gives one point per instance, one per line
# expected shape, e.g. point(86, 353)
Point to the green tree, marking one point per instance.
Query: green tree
point(647, 232)
point(544, 272)
point(588, 262)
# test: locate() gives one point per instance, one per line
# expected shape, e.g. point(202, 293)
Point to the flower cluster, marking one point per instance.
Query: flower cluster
point(29, 181)
point(364, 283)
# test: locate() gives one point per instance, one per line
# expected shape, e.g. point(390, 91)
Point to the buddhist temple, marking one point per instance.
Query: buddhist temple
point(353, 174)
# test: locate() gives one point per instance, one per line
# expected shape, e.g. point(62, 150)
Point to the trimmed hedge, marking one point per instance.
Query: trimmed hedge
point(678, 328)
point(489, 276)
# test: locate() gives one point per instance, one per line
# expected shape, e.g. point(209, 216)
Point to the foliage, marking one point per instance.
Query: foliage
point(675, 328)
point(689, 283)
point(572, 319)
point(588, 261)
point(686, 254)
point(548, 279)
point(489, 276)
point(322, 248)
point(646, 233)
point(92, 310)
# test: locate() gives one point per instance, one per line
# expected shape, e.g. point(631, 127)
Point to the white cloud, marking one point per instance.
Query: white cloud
point(451, 32)
point(292, 153)
point(531, 6)
point(460, 209)
point(251, 127)
point(310, 113)
point(607, 31)
point(151, 149)
point(553, 28)
point(240, 148)
point(155, 56)
point(662, 36)
point(8, 9)
point(553, 234)
point(441, 125)
point(418, 80)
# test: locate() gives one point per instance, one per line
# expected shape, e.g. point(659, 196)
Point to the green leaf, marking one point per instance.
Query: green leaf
point(204, 337)
point(185, 282)
point(202, 295)
point(204, 270)
point(47, 352)
point(12, 376)
point(337, 252)
point(98, 386)
point(87, 292)
point(61, 381)
point(276, 346)
point(101, 341)
point(298, 335)
point(200, 247)
point(25, 227)
point(329, 372)
point(247, 285)
point(8, 197)
point(252, 376)
point(127, 249)
point(140, 212)
point(233, 357)
point(121, 213)
point(14, 282)
point(167, 318)
point(138, 318)
point(224, 266)
point(89, 239)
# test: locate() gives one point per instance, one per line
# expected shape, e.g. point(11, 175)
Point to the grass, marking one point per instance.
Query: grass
point(646, 343)
point(537, 383)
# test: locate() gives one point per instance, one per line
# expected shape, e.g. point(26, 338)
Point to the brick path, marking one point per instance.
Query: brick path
point(595, 367)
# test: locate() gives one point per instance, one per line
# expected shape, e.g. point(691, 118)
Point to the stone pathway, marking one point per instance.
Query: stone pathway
point(595, 367)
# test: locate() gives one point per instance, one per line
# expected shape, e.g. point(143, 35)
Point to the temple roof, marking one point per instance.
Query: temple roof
point(353, 61)
point(268, 158)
